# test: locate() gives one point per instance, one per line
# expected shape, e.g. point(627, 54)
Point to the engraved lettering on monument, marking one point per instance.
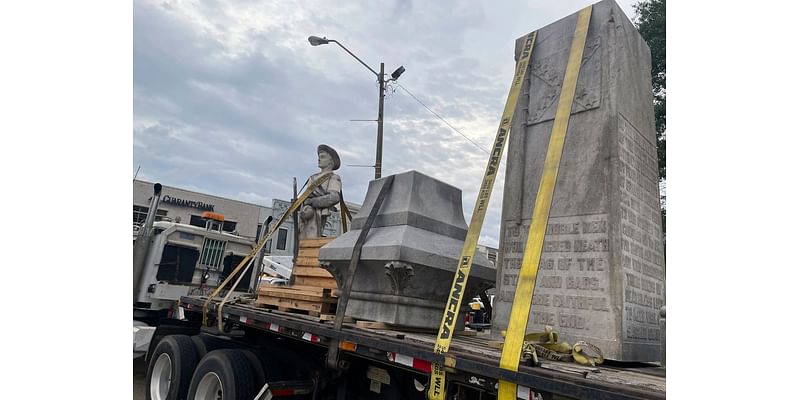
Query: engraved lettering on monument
point(572, 272)
point(641, 303)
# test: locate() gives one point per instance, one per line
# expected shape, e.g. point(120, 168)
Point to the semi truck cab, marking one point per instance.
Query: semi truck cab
point(189, 260)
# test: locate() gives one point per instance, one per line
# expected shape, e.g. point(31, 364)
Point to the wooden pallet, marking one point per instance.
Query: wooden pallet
point(313, 289)
point(309, 300)
point(316, 309)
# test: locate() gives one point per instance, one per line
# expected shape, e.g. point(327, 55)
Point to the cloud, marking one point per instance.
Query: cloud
point(230, 99)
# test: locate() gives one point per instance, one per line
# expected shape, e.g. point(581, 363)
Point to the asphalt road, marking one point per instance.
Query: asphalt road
point(139, 375)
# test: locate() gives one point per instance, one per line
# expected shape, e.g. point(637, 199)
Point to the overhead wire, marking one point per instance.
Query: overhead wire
point(442, 119)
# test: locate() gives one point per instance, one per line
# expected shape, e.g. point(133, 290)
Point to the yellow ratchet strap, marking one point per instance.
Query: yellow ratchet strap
point(520, 309)
point(449, 317)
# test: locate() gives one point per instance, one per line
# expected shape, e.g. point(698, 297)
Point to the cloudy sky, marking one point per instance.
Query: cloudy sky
point(230, 99)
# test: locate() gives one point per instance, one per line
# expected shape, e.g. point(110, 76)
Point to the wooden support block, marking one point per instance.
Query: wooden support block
point(299, 296)
point(306, 262)
point(327, 317)
point(308, 252)
point(295, 304)
point(374, 325)
point(331, 317)
point(311, 271)
point(394, 327)
point(315, 243)
point(496, 344)
point(329, 283)
point(296, 289)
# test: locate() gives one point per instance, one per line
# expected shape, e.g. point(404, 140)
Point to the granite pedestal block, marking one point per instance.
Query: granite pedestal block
point(410, 254)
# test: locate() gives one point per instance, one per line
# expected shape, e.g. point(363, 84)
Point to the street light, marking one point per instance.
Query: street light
point(316, 41)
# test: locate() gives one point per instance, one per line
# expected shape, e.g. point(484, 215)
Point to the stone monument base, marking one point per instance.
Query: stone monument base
point(410, 254)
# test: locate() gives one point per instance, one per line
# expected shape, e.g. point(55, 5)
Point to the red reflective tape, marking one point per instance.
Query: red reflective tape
point(422, 365)
point(282, 392)
point(311, 338)
point(525, 393)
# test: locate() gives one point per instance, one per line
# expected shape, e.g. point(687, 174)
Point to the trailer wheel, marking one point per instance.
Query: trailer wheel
point(206, 344)
point(257, 366)
point(223, 375)
point(170, 370)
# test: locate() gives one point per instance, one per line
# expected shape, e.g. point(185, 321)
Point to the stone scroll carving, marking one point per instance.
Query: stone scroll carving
point(399, 274)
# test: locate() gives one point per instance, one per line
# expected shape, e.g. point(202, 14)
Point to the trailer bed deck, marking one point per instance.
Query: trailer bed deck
point(472, 355)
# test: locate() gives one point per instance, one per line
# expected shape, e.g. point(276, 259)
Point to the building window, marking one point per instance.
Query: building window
point(161, 215)
point(140, 214)
point(228, 226)
point(282, 233)
point(198, 221)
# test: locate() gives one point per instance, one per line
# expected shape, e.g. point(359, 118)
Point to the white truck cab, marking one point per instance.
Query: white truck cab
point(189, 260)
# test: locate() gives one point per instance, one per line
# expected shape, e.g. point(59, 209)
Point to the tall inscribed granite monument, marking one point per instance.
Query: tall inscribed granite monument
point(602, 271)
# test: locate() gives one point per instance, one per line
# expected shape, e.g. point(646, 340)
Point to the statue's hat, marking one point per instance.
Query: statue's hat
point(336, 161)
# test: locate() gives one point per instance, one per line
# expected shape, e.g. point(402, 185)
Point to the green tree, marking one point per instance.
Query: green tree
point(651, 21)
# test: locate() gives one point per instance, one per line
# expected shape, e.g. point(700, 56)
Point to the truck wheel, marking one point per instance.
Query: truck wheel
point(170, 370)
point(223, 375)
point(257, 366)
point(206, 344)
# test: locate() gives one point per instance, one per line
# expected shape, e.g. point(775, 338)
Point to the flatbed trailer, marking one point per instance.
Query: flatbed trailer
point(472, 365)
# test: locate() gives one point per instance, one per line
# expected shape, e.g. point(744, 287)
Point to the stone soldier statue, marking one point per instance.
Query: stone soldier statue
point(317, 207)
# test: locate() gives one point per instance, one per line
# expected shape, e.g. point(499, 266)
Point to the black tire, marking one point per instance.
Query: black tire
point(180, 359)
point(230, 369)
point(206, 344)
point(257, 367)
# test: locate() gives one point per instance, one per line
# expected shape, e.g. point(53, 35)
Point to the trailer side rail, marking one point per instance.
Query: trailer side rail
point(403, 353)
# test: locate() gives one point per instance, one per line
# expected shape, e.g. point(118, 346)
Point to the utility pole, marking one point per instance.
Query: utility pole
point(379, 150)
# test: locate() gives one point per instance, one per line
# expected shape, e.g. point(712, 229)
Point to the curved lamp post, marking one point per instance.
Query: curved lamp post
point(316, 41)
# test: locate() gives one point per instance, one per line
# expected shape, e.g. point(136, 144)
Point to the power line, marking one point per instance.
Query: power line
point(442, 118)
